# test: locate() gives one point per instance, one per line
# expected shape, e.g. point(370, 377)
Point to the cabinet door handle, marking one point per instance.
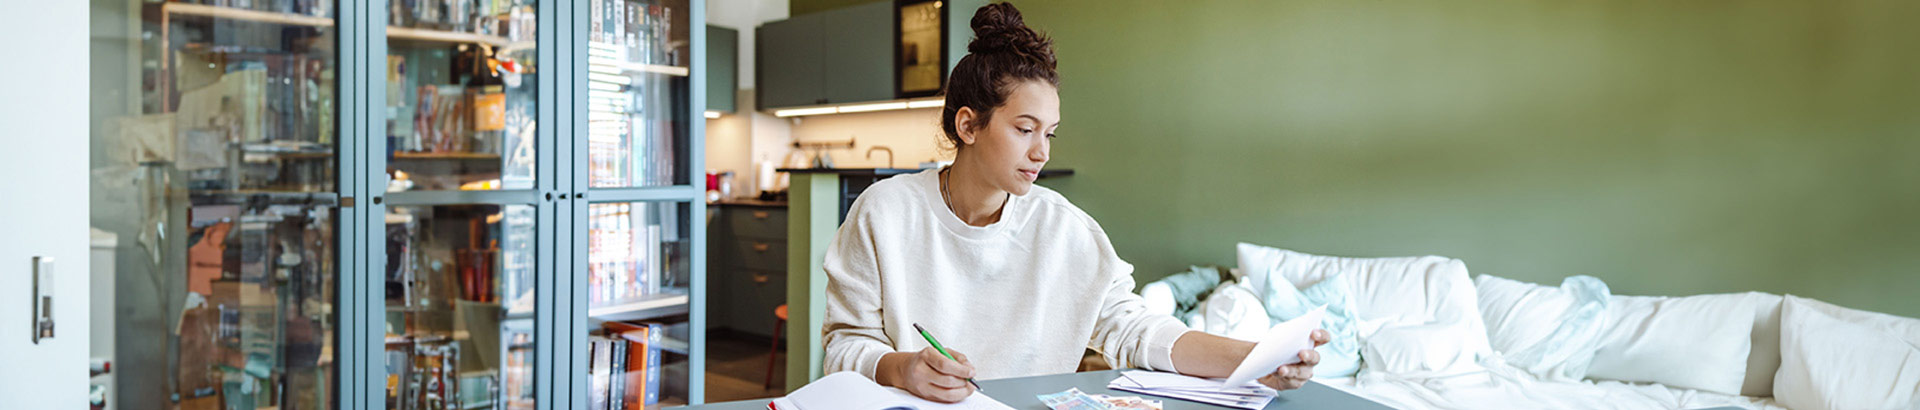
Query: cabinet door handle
point(761, 214)
point(760, 278)
point(761, 246)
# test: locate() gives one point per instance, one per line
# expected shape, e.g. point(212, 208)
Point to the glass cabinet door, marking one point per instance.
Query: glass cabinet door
point(638, 275)
point(459, 294)
point(460, 271)
point(460, 95)
point(638, 116)
point(218, 151)
point(642, 230)
point(214, 164)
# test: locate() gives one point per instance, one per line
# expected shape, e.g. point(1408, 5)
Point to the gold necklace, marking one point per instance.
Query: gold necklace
point(944, 196)
point(948, 198)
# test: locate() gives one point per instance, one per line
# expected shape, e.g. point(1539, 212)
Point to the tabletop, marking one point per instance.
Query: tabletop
point(1023, 393)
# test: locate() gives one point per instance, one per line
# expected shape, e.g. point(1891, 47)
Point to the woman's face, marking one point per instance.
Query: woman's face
point(1009, 150)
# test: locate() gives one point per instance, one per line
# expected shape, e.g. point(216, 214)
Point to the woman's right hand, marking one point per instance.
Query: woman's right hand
point(930, 375)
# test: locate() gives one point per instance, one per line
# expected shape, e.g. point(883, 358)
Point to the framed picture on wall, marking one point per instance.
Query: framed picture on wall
point(920, 51)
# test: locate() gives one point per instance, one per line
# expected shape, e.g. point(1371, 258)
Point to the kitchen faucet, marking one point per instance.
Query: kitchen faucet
point(882, 148)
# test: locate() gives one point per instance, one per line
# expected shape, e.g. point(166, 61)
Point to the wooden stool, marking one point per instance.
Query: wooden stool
point(773, 353)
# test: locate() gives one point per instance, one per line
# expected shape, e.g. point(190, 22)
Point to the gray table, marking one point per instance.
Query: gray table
point(1021, 393)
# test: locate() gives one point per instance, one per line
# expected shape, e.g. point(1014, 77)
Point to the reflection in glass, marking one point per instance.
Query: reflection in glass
point(635, 250)
point(460, 95)
point(638, 271)
point(213, 156)
point(459, 296)
point(636, 72)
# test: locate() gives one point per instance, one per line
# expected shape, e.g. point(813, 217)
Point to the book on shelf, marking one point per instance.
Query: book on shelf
point(600, 372)
point(617, 386)
point(630, 247)
point(640, 376)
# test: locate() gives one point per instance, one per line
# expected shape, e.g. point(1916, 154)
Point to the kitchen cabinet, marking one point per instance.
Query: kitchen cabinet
point(858, 62)
point(723, 68)
point(748, 265)
point(788, 62)
point(831, 57)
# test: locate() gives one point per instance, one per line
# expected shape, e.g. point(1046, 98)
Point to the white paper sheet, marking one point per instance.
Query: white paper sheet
point(849, 390)
point(1250, 396)
point(1281, 346)
point(978, 401)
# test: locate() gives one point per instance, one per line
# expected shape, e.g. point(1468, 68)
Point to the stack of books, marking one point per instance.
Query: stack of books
point(625, 367)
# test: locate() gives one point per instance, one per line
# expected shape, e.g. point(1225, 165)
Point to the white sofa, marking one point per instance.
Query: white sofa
point(1431, 337)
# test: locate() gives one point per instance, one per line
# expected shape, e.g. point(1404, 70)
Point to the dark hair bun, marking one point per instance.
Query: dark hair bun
point(998, 28)
point(1004, 53)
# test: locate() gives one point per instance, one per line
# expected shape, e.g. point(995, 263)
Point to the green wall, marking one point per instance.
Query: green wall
point(1667, 147)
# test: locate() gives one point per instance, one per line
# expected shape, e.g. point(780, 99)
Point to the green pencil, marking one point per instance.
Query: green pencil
point(942, 350)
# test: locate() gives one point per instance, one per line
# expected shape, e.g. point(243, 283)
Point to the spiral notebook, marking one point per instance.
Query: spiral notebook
point(851, 391)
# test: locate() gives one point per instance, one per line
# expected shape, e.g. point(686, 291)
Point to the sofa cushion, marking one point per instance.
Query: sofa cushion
point(1697, 342)
point(1838, 358)
point(1551, 332)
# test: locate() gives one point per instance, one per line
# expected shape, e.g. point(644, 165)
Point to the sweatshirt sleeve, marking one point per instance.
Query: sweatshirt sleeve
point(853, 331)
point(1127, 334)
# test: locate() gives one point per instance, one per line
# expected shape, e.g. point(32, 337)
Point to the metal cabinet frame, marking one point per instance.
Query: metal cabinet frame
point(560, 196)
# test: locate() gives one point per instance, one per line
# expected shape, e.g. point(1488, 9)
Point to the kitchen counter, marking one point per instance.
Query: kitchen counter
point(749, 202)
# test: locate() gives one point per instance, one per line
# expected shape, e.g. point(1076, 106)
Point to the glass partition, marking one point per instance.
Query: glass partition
point(214, 139)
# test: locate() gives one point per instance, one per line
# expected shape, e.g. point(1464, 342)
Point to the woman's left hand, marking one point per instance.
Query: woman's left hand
point(1294, 376)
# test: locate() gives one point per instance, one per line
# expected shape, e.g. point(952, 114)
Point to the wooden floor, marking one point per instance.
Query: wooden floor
point(737, 367)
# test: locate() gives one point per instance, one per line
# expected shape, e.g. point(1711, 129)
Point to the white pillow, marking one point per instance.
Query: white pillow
point(1550, 332)
point(1416, 351)
point(1764, 360)
point(1856, 360)
point(1427, 291)
point(1233, 311)
point(1902, 327)
point(1695, 342)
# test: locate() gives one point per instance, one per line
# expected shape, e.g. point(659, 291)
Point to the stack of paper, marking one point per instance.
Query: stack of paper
point(1251, 396)
point(1281, 346)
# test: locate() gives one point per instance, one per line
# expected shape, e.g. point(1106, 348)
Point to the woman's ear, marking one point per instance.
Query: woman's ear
point(963, 123)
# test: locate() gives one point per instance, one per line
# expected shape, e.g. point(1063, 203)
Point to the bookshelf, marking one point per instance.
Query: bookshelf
point(439, 170)
point(183, 10)
point(643, 225)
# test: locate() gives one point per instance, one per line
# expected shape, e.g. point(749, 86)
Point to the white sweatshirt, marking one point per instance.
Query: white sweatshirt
point(1024, 296)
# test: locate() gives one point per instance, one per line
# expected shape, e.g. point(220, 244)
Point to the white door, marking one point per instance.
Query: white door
point(43, 201)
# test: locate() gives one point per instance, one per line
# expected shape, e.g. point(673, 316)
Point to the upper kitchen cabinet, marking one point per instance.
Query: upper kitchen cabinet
point(858, 63)
point(788, 62)
point(835, 56)
point(723, 68)
point(850, 54)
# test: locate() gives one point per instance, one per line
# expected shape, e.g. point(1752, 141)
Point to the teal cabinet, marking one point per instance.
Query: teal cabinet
point(858, 58)
point(788, 62)
point(748, 267)
point(831, 57)
point(723, 68)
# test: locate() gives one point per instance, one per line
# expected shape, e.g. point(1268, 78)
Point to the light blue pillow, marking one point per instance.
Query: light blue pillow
point(1340, 357)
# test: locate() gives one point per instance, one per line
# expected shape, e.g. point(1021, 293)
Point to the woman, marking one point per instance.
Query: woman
point(992, 264)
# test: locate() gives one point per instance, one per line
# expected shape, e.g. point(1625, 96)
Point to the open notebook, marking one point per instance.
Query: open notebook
point(851, 391)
